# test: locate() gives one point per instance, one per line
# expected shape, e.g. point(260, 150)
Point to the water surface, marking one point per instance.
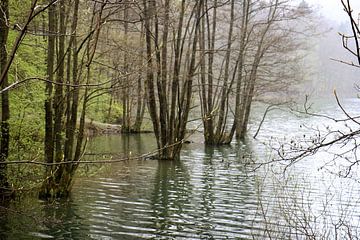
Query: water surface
point(212, 193)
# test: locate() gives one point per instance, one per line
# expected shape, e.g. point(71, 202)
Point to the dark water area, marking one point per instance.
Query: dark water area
point(212, 193)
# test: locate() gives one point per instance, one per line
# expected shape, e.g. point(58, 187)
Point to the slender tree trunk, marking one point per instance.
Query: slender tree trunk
point(176, 74)
point(126, 86)
point(58, 101)
point(211, 30)
point(5, 108)
point(151, 98)
point(71, 123)
point(47, 185)
point(249, 88)
point(110, 106)
point(49, 146)
point(68, 172)
point(188, 86)
point(203, 85)
point(140, 93)
point(90, 52)
point(219, 134)
point(170, 124)
point(162, 60)
point(246, 105)
point(244, 29)
point(58, 181)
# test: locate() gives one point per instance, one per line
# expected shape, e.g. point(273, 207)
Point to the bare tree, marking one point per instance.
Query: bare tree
point(59, 178)
point(251, 62)
point(169, 114)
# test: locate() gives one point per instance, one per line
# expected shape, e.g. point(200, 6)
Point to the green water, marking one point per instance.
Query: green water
point(212, 193)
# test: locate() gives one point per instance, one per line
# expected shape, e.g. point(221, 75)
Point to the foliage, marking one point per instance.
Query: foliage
point(26, 101)
point(30, 58)
point(98, 110)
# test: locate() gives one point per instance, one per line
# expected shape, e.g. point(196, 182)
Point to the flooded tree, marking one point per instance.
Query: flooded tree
point(181, 59)
point(169, 114)
point(215, 96)
point(63, 94)
point(251, 61)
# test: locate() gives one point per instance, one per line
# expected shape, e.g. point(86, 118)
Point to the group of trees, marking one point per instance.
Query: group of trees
point(256, 57)
point(68, 57)
point(226, 52)
point(167, 57)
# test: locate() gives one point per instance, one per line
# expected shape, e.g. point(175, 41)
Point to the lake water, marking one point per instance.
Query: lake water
point(212, 193)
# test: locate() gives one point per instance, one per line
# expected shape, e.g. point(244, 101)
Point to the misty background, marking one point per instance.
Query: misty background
point(324, 71)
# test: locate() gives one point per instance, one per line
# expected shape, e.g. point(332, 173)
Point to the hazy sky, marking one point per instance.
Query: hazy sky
point(333, 9)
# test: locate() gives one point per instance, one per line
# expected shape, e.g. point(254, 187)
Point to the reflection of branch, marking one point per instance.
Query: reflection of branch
point(264, 214)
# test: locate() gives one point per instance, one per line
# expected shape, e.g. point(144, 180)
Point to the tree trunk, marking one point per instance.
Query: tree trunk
point(126, 86)
point(170, 118)
point(140, 108)
point(5, 108)
point(214, 120)
point(188, 85)
point(71, 125)
point(151, 98)
point(175, 91)
point(46, 187)
point(58, 102)
point(249, 88)
point(220, 137)
point(240, 78)
point(58, 181)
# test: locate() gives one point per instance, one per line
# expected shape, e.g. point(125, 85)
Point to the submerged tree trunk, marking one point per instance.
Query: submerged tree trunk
point(170, 115)
point(249, 88)
point(68, 170)
point(59, 150)
point(237, 126)
point(73, 108)
point(220, 134)
point(54, 147)
point(206, 73)
point(48, 141)
point(151, 100)
point(214, 116)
